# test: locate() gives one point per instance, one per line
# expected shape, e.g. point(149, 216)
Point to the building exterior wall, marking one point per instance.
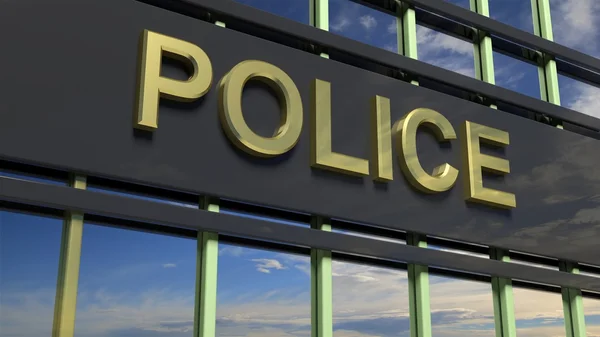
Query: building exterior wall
point(93, 247)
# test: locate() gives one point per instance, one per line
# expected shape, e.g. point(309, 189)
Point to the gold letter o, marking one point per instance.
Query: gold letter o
point(232, 118)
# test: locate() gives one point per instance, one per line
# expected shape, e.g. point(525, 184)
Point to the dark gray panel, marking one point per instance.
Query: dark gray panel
point(68, 89)
point(172, 217)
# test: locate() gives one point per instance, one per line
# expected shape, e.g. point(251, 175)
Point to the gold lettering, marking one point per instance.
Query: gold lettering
point(405, 134)
point(321, 154)
point(152, 86)
point(381, 140)
point(475, 162)
point(232, 118)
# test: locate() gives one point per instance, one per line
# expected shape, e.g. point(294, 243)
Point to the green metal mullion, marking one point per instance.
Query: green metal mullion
point(319, 16)
point(65, 303)
point(504, 307)
point(319, 13)
point(206, 277)
point(418, 275)
point(406, 28)
point(483, 52)
point(418, 293)
point(573, 305)
point(548, 75)
point(504, 311)
point(321, 287)
point(207, 262)
point(549, 89)
point(406, 32)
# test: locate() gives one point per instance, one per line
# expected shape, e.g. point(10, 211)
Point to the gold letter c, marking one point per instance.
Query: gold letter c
point(405, 133)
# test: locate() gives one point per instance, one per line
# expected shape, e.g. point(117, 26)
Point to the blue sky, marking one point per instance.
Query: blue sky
point(135, 284)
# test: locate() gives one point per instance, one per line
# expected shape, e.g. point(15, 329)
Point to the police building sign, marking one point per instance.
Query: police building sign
point(322, 155)
point(222, 113)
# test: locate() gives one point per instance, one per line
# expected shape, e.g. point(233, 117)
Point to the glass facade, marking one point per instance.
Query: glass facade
point(130, 283)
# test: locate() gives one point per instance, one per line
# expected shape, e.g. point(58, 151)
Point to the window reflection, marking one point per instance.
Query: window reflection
point(262, 293)
point(445, 51)
point(29, 253)
point(461, 307)
point(297, 10)
point(369, 301)
point(363, 24)
point(538, 313)
point(458, 251)
point(134, 284)
point(389, 238)
point(591, 308)
point(516, 75)
point(575, 24)
point(30, 177)
point(533, 261)
point(579, 96)
point(516, 13)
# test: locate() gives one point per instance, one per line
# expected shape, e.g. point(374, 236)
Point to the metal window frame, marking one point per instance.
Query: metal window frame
point(309, 39)
point(74, 203)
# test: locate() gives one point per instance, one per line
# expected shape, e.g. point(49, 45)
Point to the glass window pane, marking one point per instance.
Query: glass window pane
point(135, 284)
point(445, 51)
point(297, 10)
point(516, 75)
point(363, 24)
point(262, 293)
point(369, 301)
point(516, 13)
point(579, 96)
point(29, 253)
point(461, 307)
point(538, 313)
point(575, 24)
point(591, 308)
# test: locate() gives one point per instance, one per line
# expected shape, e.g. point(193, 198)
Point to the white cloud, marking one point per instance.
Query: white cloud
point(576, 23)
point(445, 51)
point(392, 28)
point(393, 47)
point(265, 265)
point(510, 80)
point(169, 265)
point(340, 23)
point(169, 312)
point(368, 22)
point(585, 99)
point(235, 251)
point(431, 43)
